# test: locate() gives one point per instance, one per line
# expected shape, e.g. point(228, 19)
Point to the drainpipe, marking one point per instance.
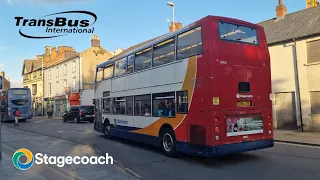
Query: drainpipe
point(297, 86)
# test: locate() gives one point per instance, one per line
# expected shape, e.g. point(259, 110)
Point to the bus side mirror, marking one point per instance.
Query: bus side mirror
point(93, 101)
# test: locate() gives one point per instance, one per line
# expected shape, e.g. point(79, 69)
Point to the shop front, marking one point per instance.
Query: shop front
point(74, 99)
point(60, 105)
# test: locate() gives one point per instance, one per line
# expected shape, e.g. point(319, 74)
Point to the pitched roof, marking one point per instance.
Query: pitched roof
point(27, 66)
point(296, 25)
point(56, 62)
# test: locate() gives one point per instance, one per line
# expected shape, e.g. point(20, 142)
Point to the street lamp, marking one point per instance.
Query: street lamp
point(172, 5)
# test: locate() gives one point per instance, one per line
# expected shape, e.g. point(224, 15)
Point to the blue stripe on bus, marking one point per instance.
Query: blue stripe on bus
point(126, 128)
point(194, 149)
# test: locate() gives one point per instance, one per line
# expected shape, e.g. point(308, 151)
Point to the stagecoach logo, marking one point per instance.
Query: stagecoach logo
point(56, 24)
point(244, 96)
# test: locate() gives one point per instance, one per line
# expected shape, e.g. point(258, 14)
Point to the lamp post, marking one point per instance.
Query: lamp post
point(42, 99)
point(172, 5)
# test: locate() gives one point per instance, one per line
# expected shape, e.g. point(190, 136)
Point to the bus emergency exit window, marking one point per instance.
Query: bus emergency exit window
point(244, 87)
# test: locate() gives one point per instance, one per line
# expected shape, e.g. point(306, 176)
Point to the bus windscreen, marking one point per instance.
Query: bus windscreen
point(238, 33)
point(19, 92)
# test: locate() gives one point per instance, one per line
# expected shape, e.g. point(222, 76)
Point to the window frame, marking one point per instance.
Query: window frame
point(244, 91)
point(135, 58)
point(125, 72)
point(65, 69)
point(177, 101)
point(74, 66)
point(240, 42)
point(57, 72)
point(114, 105)
point(177, 42)
point(134, 102)
point(132, 105)
point(174, 50)
point(110, 106)
point(173, 98)
point(112, 71)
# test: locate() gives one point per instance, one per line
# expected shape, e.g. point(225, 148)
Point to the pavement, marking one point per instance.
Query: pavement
point(284, 161)
point(13, 139)
point(297, 137)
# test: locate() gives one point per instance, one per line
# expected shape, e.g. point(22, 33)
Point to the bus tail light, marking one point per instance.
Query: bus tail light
point(218, 60)
point(216, 120)
point(269, 117)
point(217, 129)
point(217, 138)
point(264, 64)
point(270, 132)
point(269, 124)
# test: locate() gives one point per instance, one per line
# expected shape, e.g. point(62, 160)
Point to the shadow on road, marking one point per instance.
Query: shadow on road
point(214, 162)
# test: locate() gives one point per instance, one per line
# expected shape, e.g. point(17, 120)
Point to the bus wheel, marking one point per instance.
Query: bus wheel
point(107, 129)
point(168, 142)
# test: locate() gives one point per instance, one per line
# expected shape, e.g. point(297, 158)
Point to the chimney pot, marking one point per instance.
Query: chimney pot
point(175, 26)
point(281, 10)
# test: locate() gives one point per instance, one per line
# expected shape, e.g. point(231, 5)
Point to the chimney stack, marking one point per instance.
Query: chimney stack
point(47, 50)
point(95, 41)
point(175, 26)
point(53, 52)
point(312, 3)
point(281, 10)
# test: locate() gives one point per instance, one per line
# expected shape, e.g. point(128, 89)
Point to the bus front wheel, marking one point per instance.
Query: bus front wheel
point(168, 142)
point(107, 129)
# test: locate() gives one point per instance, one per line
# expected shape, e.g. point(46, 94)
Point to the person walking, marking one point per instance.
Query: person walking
point(16, 114)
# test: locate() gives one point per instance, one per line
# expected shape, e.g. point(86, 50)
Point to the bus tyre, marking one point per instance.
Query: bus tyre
point(168, 142)
point(107, 130)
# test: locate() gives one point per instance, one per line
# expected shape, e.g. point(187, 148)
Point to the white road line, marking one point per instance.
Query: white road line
point(133, 173)
point(299, 145)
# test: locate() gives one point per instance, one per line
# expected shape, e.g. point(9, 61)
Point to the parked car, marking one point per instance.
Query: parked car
point(79, 114)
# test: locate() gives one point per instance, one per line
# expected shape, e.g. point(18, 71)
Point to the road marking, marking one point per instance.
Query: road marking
point(299, 145)
point(133, 173)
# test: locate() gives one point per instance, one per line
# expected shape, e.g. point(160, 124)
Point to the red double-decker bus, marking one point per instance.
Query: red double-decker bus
point(202, 90)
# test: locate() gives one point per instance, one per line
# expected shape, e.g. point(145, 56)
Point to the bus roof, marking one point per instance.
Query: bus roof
point(161, 38)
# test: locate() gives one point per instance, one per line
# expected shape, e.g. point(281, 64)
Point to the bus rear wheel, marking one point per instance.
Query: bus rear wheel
point(168, 142)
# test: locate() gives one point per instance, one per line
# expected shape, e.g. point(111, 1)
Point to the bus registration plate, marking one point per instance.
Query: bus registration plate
point(244, 103)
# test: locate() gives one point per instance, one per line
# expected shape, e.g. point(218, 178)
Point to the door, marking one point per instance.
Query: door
point(67, 114)
point(74, 112)
point(285, 111)
point(98, 111)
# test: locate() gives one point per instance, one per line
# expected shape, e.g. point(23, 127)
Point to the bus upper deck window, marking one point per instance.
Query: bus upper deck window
point(244, 87)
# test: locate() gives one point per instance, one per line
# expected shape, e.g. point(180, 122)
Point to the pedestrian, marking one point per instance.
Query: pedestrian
point(16, 114)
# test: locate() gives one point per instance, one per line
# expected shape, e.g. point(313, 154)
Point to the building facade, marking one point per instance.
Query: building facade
point(4, 82)
point(70, 78)
point(294, 46)
point(32, 73)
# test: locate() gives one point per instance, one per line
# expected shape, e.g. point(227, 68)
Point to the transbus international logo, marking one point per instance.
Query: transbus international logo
point(16, 159)
point(56, 24)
